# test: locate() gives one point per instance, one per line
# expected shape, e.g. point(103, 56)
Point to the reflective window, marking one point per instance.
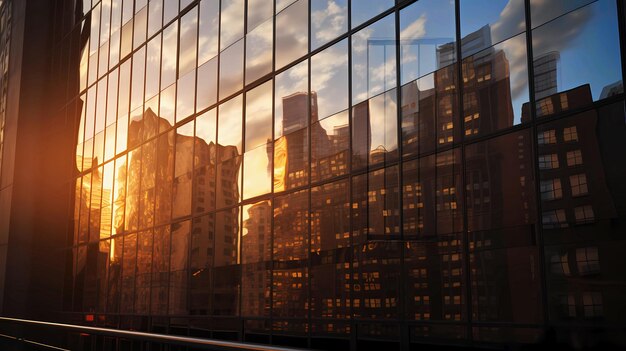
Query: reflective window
point(362, 10)
point(257, 171)
point(229, 133)
point(208, 30)
point(292, 38)
point(188, 42)
point(186, 95)
point(291, 100)
point(291, 161)
point(329, 19)
point(495, 87)
point(207, 85)
point(183, 165)
point(179, 267)
point(226, 271)
point(205, 162)
point(375, 130)
point(153, 65)
point(542, 11)
point(329, 81)
point(373, 59)
point(258, 116)
point(170, 54)
point(290, 250)
point(427, 38)
point(256, 247)
point(231, 69)
point(562, 55)
point(258, 12)
point(259, 45)
point(330, 147)
point(202, 250)
point(232, 22)
point(484, 24)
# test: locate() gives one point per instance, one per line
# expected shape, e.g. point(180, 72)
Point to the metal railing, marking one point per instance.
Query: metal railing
point(163, 339)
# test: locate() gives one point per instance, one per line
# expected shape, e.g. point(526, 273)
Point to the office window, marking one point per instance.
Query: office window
point(546, 137)
point(554, 219)
point(578, 183)
point(560, 264)
point(570, 134)
point(550, 161)
point(574, 158)
point(551, 189)
point(587, 260)
point(592, 304)
point(584, 214)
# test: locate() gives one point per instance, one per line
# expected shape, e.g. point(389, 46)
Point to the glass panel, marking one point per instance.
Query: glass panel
point(169, 58)
point(563, 53)
point(427, 37)
point(201, 261)
point(230, 132)
point(495, 87)
point(170, 10)
point(259, 45)
point(140, 26)
point(256, 248)
point(168, 106)
point(258, 12)
point(329, 19)
point(188, 42)
point(290, 249)
point(329, 81)
point(148, 173)
point(139, 71)
point(291, 166)
point(124, 89)
point(186, 96)
point(160, 270)
point(228, 178)
point(207, 85)
point(179, 268)
point(183, 166)
point(544, 11)
point(485, 24)
point(378, 144)
point(291, 100)
point(500, 189)
point(144, 263)
point(227, 271)
point(362, 10)
point(114, 279)
point(373, 59)
point(429, 112)
point(231, 69)
point(164, 177)
point(155, 16)
point(383, 203)
point(330, 232)
point(292, 38)
point(208, 32)
point(330, 142)
point(440, 261)
point(132, 189)
point(204, 163)
point(380, 281)
point(153, 65)
point(119, 195)
point(129, 260)
point(257, 168)
point(232, 22)
point(259, 116)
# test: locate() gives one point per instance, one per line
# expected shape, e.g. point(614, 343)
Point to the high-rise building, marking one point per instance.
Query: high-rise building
point(330, 174)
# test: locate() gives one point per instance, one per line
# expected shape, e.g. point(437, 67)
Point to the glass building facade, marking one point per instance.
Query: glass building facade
point(343, 173)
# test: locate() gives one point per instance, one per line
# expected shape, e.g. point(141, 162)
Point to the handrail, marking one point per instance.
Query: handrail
point(162, 338)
